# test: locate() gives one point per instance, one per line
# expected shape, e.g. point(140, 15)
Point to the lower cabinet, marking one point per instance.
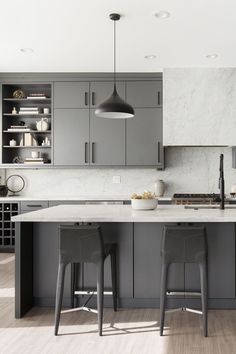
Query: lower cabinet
point(221, 263)
point(122, 234)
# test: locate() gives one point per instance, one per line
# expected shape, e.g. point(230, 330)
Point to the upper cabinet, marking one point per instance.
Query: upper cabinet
point(141, 94)
point(74, 135)
point(199, 107)
point(71, 94)
point(102, 90)
point(144, 138)
point(107, 141)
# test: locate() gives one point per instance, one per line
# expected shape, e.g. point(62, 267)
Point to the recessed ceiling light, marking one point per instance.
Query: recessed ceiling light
point(212, 56)
point(27, 50)
point(162, 15)
point(152, 56)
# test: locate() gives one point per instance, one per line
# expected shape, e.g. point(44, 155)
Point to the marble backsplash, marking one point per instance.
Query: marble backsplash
point(188, 170)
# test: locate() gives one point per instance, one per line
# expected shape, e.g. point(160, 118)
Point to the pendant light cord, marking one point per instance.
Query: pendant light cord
point(115, 54)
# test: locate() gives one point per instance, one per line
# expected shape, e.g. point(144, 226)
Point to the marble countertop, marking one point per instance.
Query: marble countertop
point(70, 198)
point(125, 213)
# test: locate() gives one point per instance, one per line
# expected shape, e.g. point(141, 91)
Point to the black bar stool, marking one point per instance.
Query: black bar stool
point(84, 244)
point(184, 244)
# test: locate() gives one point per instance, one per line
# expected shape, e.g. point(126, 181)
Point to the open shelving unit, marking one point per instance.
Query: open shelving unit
point(9, 153)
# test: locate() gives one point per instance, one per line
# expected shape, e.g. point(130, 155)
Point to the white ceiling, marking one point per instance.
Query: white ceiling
point(77, 35)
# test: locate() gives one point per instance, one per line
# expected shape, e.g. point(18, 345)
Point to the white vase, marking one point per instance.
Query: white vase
point(159, 187)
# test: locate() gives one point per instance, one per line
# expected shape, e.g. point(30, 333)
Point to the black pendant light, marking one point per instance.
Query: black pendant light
point(114, 107)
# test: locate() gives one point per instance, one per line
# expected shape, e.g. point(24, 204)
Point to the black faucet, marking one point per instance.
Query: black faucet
point(222, 183)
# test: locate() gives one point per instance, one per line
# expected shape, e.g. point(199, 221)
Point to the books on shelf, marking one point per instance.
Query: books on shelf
point(18, 129)
point(34, 96)
point(36, 160)
point(29, 110)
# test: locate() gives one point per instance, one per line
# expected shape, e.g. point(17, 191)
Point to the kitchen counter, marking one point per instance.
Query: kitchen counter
point(125, 213)
point(138, 235)
point(72, 198)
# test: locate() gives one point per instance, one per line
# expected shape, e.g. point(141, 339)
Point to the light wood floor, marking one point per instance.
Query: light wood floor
point(125, 332)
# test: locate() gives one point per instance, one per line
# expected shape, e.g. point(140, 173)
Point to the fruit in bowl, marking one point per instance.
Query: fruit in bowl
point(145, 201)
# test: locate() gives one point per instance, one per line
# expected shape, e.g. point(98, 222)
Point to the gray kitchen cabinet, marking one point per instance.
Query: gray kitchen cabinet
point(221, 263)
point(147, 262)
point(141, 94)
point(122, 235)
point(71, 137)
point(71, 94)
point(144, 138)
point(107, 141)
point(101, 90)
point(27, 206)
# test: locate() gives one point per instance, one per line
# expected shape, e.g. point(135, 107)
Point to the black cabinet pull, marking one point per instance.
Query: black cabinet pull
point(34, 206)
point(93, 98)
point(86, 98)
point(158, 152)
point(85, 152)
point(93, 145)
point(159, 98)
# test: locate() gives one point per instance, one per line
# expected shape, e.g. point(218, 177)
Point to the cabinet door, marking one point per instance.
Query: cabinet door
point(122, 235)
point(144, 137)
point(71, 137)
point(221, 263)
point(71, 94)
point(144, 93)
point(100, 91)
point(147, 262)
point(107, 141)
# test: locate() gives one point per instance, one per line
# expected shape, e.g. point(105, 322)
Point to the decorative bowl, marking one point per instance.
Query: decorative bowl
point(144, 204)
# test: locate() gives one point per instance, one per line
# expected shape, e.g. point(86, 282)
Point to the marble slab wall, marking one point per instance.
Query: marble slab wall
point(188, 170)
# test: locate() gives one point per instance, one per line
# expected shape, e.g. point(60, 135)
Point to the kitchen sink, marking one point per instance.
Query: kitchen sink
point(197, 207)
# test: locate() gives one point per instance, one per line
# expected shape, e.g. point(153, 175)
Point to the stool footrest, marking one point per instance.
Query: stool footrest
point(182, 293)
point(187, 309)
point(90, 292)
point(82, 308)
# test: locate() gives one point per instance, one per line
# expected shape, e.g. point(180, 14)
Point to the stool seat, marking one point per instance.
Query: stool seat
point(184, 244)
point(80, 244)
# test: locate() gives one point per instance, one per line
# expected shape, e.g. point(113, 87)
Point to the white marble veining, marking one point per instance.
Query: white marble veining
point(188, 170)
point(125, 213)
point(199, 106)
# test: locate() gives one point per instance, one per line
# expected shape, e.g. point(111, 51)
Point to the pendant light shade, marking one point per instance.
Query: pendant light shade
point(114, 107)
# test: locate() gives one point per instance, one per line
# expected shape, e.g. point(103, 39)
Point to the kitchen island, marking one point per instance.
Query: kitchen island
point(138, 235)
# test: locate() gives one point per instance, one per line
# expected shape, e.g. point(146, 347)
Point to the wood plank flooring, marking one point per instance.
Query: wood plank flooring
point(125, 332)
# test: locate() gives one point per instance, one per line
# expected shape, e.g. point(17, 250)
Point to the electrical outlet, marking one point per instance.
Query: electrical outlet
point(116, 179)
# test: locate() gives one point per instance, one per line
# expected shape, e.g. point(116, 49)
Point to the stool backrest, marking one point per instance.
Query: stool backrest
point(184, 244)
point(80, 243)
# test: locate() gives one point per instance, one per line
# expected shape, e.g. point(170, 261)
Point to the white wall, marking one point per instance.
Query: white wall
point(188, 169)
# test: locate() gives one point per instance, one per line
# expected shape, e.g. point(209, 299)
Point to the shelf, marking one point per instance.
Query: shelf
point(31, 115)
point(27, 147)
point(46, 115)
point(29, 131)
point(27, 99)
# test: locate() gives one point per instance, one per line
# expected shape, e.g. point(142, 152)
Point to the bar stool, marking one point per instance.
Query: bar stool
point(84, 244)
point(184, 244)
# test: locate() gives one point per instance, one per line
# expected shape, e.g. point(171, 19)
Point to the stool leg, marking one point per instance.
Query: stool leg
point(164, 272)
point(100, 288)
point(59, 295)
point(203, 279)
point(72, 295)
point(114, 278)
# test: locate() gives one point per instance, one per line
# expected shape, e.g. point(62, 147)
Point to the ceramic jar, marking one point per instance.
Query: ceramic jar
point(159, 188)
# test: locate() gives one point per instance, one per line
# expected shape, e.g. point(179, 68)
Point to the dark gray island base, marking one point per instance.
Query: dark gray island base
point(139, 245)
